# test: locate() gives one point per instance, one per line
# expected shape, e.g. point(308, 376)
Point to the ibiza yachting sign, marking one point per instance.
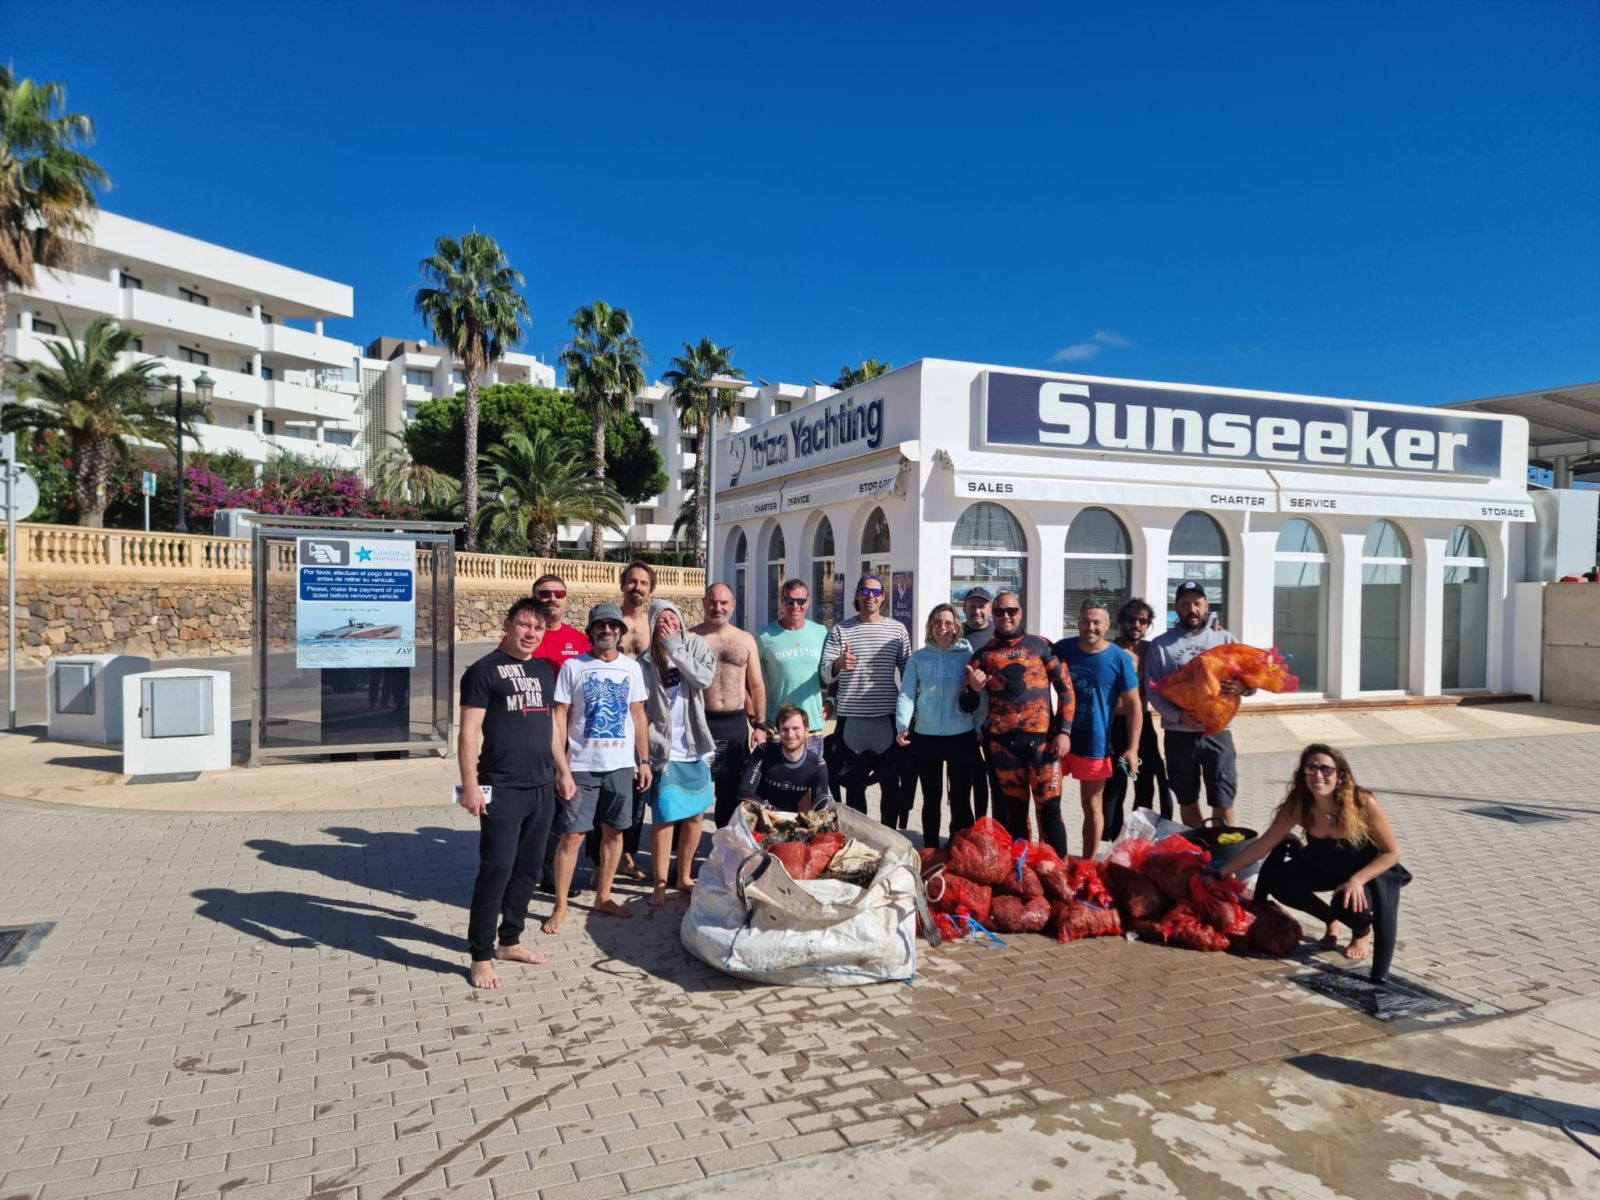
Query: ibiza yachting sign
point(1090, 415)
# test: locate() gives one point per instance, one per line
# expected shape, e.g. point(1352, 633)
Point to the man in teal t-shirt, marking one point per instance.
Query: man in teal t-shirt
point(791, 648)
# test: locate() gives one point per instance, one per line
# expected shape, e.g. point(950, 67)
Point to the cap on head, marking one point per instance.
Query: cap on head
point(605, 612)
point(979, 593)
point(1189, 587)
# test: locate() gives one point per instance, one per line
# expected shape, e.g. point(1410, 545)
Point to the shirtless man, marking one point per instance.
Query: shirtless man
point(638, 585)
point(736, 692)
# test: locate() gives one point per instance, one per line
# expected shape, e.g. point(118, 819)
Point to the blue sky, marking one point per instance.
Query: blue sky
point(1388, 202)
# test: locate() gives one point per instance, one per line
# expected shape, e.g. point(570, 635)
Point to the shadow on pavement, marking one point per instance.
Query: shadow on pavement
point(297, 921)
point(109, 762)
point(433, 863)
point(1437, 1089)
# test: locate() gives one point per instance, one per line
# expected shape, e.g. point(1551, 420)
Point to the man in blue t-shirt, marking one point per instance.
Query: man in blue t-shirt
point(1104, 681)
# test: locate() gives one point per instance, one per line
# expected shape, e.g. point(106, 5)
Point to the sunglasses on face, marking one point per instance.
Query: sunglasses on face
point(1008, 612)
point(1137, 621)
point(871, 591)
point(1321, 769)
point(796, 601)
point(551, 594)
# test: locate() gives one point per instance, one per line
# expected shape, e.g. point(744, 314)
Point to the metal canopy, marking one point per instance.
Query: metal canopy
point(1563, 422)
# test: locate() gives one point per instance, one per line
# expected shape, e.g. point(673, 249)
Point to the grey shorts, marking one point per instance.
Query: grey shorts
point(606, 794)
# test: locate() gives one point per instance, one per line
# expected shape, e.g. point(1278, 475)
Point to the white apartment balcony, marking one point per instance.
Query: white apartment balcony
point(306, 347)
point(234, 386)
point(31, 347)
point(72, 290)
point(309, 402)
point(215, 439)
point(149, 312)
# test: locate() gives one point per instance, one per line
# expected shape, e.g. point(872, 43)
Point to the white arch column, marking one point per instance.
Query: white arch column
point(1344, 611)
point(1427, 610)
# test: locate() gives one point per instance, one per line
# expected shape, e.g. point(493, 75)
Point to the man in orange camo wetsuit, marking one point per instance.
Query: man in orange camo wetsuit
point(1026, 736)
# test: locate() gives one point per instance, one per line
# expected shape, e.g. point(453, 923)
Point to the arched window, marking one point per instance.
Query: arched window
point(1099, 563)
point(875, 546)
point(741, 552)
point(1385, 608)
point(1465, 660)
point(1199, 551)
point(824, 591)
point(988, 550)
point(775, 576)
point(1300, 601)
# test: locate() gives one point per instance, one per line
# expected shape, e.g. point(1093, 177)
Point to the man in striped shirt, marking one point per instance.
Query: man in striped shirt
point(864, 656)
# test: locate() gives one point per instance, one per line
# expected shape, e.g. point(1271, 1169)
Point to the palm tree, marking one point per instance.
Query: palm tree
point(698, 411)
point(469, 299)
point(538, 483)
point(604, 369)
point(47, 199)
point(870, 368)
point(401, 479)
point(102, 409)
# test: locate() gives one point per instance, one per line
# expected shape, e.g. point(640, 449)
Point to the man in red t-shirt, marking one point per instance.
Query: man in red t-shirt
point(561, 642)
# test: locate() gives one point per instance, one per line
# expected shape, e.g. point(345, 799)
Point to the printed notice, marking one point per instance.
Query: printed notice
point(355, 603)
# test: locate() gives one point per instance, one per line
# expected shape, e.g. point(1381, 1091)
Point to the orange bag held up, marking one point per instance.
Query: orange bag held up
point(1196, 687)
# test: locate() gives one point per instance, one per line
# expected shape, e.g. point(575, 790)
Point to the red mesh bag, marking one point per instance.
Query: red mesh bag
point(1013, 914)
point(1183, 927)
point(950, 928)
point(1219, 903)
point(1171, 865)
point(990, 830)
point(1034, 853)
point(1074, 920)
point(979, 858)
point(932, 857)
point(1053, 878)
point(1196, 687)
point(1086, 882)
point(1273, 931)
point(1140, 899)
point(1024, 882)
point(1130, 852)
point(821, 851)
point(947, 893)
point(795, 857)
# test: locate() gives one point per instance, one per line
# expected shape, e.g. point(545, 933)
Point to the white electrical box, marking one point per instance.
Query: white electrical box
point(178, 720)
point(232, 522)
point(84, 703)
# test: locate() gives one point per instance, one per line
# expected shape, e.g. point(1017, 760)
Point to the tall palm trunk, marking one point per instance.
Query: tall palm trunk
point(93, 457)
point(597, 546)
point(469, 466)
point(697, 529)
point(539, 539)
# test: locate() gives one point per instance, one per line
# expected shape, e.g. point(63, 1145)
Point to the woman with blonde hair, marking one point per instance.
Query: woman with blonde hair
point(1350, 850)
point(929, 720)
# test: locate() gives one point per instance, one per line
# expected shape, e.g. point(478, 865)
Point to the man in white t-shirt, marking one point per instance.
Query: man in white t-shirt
point(599, 700)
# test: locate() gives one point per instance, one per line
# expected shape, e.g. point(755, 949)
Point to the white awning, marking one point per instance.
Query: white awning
point(976, 486)
point(801, 494)
point(1486, 509)
point(748, 508)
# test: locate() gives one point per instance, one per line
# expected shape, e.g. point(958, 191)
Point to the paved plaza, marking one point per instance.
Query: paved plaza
point(272, 1003)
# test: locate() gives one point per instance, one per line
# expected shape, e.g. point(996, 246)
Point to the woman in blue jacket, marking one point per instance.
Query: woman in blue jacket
point(926, 717)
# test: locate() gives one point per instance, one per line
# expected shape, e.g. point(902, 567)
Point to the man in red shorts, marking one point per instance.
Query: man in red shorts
point(1025, 736)
point(1104, 681)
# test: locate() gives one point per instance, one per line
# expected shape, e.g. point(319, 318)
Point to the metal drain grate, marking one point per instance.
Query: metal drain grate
point(10, 939)
point(1398, 999)
point(174, 777)
point(1515, 816)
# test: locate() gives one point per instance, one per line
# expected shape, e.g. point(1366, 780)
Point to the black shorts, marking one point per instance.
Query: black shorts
point(1196, 757)
point(730, 731)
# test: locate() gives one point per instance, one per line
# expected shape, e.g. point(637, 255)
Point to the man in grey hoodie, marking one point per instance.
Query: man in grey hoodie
point(678, 666)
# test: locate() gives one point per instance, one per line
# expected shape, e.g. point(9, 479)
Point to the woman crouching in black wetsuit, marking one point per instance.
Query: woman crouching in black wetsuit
point(1350, 850)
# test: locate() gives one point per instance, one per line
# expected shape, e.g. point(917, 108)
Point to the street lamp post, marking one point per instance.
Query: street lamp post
point(717, 383)
point(203, 384)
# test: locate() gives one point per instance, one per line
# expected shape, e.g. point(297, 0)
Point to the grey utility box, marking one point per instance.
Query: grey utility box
point(84, 701)
point(177, 720)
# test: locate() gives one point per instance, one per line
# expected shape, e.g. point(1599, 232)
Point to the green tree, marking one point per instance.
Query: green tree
point(604, 366)
point(700, 407)
point(870, 368)
point(401, 479)
point(104, 410)
point(434, 436)
point(537, 483)
point(469, 298)
point(47, 185)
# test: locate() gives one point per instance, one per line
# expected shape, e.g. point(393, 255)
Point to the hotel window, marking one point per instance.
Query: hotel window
point(1300, 601)
point(775, 558)
point(647, 412)
point(1099, 564)
point(459, 378)
point(266, 318)
point(43, 326)
point(1385, 608)
point(686, 444)
point(194, 297)
point(781, 407)
point(1465, 660)
point(825, 590)
point(138, 344)
point(875, 545)
point(266, 372)
point(419, 378)
point(644, 516)
point(411, 412)
point(199, 357)
point(741, 551)
point(988, 550)
point(1199, 551)
point(339, 437)
point(267, 426)
point(132, 282)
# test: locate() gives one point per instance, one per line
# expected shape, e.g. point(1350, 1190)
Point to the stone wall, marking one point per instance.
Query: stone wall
point(108, 615)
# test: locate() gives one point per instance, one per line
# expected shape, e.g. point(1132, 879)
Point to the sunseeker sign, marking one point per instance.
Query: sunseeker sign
point(1025, 410)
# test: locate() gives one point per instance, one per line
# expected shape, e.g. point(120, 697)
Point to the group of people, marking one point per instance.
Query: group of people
point(572, 736)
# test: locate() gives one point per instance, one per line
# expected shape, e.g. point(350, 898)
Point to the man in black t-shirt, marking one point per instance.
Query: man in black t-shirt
point(786, 774)
point(509, 744)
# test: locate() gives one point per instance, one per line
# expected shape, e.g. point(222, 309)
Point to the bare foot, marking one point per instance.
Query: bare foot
point(611, 908)
point(483, 975)
point(686, 885)
point(1359, 947)
point(1330, 938)
point(658, 896)
point(632, 869)
point(552, 923)
point(520, 953)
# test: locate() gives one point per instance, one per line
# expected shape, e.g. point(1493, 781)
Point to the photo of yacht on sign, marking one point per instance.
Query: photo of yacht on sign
point(364, 630)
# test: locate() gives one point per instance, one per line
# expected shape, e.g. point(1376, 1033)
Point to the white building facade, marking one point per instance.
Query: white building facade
point(1376, 544)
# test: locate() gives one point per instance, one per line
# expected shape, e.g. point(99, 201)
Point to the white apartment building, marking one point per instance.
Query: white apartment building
point(255, 327)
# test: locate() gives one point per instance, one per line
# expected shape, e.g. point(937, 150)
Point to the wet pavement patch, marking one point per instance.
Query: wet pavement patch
point(170, 777)
point(1399, 999)
point(1513, 816)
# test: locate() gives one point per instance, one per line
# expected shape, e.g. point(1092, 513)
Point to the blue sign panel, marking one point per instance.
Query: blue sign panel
point(1025, 410)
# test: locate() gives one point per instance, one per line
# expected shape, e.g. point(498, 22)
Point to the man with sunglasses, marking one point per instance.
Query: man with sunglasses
point(1193, 754)
point(865, 656)
point(791, 650)
point(561, 641)
point(1026, 735)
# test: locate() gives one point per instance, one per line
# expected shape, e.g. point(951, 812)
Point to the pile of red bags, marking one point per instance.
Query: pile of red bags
point(807, 860)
